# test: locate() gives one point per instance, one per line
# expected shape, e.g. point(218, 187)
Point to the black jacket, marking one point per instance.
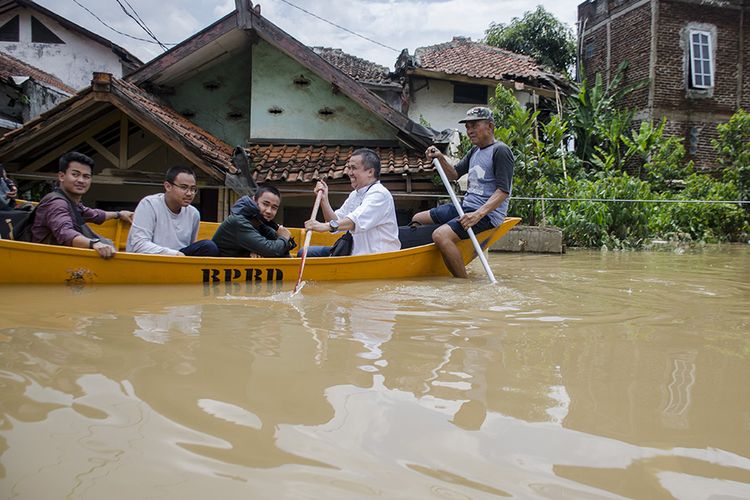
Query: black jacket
point(245, 231)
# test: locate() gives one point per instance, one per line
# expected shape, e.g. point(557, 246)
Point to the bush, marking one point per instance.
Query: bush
point(709, 223)
point(596, 223)
point(733, 149)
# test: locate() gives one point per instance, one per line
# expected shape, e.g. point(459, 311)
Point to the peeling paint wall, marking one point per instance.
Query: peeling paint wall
point(40, 99)
point(218, 98)
point(72, 62)
point(309, 109)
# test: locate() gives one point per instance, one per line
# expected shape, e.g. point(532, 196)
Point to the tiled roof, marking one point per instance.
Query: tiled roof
point(362, 70)
point(10, 67)
point(305, 163)
point(208, 152)
point(210, 148)
point(463, 57)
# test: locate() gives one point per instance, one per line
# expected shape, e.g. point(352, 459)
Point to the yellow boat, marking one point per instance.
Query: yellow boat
point(22, 262)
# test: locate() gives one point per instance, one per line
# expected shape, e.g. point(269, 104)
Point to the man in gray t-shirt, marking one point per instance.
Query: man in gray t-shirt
point(490, 167)
point(167, 223)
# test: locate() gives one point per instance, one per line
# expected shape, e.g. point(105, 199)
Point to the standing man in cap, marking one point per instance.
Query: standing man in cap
point(490, 167)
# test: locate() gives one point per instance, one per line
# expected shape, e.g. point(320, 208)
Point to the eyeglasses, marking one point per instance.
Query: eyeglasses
point(187, 189)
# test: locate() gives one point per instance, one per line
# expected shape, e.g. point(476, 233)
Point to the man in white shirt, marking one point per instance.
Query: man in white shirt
point(369, 213)
point(167, 223)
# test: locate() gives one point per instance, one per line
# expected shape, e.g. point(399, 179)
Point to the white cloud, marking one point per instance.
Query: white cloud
point(396, 23)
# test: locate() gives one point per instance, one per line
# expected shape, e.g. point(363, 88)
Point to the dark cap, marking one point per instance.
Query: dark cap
point(478, 113)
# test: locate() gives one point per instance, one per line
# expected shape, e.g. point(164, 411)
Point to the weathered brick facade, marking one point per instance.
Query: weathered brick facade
point(616, 30)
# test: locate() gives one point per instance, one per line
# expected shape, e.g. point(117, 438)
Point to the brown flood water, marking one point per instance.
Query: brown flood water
point(588, 375)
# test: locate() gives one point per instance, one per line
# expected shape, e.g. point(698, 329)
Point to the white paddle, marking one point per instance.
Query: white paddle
point(460, 211)
point(297, 288)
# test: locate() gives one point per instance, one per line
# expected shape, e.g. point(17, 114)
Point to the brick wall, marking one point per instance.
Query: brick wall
point(671, 83)
point(685, 108)
point(630, 38)
point(746, 62)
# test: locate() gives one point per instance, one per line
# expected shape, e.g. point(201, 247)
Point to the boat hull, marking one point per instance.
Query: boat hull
point(22, 262)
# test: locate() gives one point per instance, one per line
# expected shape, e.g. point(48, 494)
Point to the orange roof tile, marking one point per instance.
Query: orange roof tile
point(216, 151)
point(463, 57)
point(305, 163)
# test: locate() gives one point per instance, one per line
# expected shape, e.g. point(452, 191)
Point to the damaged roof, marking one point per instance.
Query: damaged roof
point(309, 162)
point(63, 122)
point(463, 57)
point(11, 67)
point(362, 70)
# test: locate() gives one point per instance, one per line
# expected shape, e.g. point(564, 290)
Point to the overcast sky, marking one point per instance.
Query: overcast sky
point(398, 24)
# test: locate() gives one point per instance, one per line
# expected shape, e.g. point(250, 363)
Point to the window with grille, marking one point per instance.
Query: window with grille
point(701, 64)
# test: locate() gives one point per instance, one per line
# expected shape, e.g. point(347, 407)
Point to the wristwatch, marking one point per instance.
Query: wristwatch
point(334, 225)
point(117, 214)
point(93, 242)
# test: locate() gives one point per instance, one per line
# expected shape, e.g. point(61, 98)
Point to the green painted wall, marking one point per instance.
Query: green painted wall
point(273, 75)
point(220, 97)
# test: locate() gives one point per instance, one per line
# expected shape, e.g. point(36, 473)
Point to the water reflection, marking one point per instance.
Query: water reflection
point(569, 379)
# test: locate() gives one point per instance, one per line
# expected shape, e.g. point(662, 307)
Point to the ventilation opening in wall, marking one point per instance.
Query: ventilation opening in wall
point(301, 81)
point(234, 115)
point(42, 34)
point(187, 113)
point(275, 110)
point(325, 111)
point(9, 31)
point(212, 85)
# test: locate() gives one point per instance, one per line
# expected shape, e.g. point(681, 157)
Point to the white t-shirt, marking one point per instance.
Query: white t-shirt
point(374, 215)
point(158, 230)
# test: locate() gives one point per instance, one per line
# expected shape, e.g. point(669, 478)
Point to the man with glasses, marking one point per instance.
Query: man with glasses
point(167, 223)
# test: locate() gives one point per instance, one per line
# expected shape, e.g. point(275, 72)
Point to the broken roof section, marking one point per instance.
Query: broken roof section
point(11, 69)
point(232, 32)
point(362, 70)
point(463, 58)
point(41, 141)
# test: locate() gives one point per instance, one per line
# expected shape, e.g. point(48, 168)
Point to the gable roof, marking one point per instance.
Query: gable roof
point(53, 128)
point(11, 67)
point(122, 53)
point(233, 29)
point(462, 57)
point(362, 70)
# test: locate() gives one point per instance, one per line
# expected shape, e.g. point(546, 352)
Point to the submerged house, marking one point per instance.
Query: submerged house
point(241, 101)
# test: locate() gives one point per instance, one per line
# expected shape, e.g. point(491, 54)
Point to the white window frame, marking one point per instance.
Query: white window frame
point(698, 59)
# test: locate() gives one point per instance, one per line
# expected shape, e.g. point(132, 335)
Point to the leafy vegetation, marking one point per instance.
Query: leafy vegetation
point(538, 34)
point(615, 159)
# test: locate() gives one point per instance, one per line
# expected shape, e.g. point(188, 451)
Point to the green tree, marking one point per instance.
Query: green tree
point(538, 34)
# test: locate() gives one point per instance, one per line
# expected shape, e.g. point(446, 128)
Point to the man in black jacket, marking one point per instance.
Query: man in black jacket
point(250, 230)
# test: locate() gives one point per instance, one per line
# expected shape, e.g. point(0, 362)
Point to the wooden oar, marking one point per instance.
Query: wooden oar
point(460, 211)
point(308, 235)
